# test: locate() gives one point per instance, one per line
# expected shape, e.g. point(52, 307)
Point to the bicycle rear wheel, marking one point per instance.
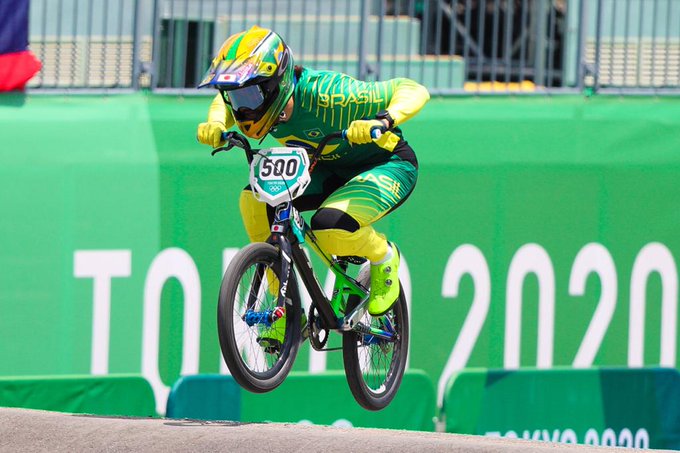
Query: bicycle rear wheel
point(248, 295)
point(374, 367)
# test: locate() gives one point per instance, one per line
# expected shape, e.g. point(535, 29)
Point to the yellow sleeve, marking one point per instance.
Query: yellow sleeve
point(407, 99)
point(220, 113)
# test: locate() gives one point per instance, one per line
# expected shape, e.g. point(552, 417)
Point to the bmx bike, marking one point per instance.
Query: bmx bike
point(260, 286)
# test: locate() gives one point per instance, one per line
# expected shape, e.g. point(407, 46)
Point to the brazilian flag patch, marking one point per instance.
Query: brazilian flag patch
point(313, 133)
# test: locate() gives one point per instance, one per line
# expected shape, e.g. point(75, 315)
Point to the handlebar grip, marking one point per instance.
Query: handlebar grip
point(224, 135)
point(376, 132)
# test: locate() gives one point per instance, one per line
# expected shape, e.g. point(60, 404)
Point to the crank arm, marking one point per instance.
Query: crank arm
point(352, 320)
point(375, 332)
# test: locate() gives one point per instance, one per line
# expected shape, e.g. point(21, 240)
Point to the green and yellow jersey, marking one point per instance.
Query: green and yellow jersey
point(354, 185)
point(326, 102)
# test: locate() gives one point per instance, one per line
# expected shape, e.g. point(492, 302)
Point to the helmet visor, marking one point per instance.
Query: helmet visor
point(250, 97)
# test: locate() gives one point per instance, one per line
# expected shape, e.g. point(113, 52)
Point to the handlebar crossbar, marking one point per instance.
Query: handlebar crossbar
point(235, 139)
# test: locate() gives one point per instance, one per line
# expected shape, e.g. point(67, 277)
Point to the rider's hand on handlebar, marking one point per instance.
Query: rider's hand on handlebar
point(210, 133)
point(359, 131)
point(388, 140)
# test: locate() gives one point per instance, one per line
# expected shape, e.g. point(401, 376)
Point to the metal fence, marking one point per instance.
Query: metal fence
point(636, 45)
point(451, 46)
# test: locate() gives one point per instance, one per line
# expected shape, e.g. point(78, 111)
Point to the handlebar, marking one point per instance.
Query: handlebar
point(235, 139)
point(376, 132)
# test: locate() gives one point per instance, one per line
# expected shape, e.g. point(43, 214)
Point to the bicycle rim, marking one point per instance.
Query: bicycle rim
point(250, 289)
point(375, 367)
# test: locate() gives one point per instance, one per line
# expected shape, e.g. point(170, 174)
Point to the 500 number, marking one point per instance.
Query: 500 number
point(275, 168)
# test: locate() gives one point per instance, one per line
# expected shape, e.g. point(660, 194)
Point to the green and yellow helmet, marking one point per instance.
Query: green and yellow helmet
point(254, 72)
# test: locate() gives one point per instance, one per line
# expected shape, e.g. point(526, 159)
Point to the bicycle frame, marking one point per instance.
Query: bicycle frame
point(289, 232)
point(288, 228)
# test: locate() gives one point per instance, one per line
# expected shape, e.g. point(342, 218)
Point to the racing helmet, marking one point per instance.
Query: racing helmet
point(254, 73)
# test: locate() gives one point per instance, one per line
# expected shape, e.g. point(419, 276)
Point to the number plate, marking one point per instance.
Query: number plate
point(279, 174)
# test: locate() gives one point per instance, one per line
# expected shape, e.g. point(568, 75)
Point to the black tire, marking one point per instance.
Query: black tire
point(254, 367)
point(373, 386)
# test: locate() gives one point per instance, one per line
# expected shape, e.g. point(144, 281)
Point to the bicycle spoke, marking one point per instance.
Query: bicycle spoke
point(262, 297)
point(375, 355)
point(258, 352)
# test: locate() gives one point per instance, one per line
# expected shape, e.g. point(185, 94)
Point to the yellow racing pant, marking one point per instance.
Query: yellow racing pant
point(346, 205)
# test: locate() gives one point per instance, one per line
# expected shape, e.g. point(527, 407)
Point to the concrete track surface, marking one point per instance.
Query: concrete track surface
point(23, 430)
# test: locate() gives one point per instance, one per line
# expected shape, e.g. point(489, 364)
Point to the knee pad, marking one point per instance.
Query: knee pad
point(333, 219)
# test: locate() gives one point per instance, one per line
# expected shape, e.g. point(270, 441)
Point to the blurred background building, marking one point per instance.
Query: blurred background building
point(452, 46)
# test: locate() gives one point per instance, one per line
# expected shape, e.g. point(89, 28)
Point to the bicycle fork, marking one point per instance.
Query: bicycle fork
point(268, 317)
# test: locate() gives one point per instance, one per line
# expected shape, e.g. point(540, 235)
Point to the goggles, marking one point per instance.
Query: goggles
point(250, 97)
point(251, 103)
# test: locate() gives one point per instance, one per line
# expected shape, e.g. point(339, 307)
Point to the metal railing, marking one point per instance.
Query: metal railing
point(451, 46)
point(92, 44)
point(634, 46)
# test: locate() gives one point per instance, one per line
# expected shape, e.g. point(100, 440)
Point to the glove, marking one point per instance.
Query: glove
point(388, 140)
point(210, 133)
point(359, 131)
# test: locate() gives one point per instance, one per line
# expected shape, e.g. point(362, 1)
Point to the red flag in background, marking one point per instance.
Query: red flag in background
point(17, 63)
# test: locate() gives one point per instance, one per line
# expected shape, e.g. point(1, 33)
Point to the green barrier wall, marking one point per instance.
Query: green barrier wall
point(543, 232)
point(326, 400)
point(323, 399)
point(205, 397)
point(100, 395)
point(614, 407)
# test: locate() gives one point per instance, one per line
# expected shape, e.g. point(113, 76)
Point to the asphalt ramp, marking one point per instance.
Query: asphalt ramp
point(24, 430)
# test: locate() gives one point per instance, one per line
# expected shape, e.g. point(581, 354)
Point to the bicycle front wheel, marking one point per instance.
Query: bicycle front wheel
point(259, 354)
point(375, 366)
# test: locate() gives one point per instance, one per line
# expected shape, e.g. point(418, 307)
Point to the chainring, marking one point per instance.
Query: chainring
point(318, 336)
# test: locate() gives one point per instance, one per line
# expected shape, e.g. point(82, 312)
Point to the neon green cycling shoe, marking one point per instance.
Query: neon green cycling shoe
point(384, 284)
